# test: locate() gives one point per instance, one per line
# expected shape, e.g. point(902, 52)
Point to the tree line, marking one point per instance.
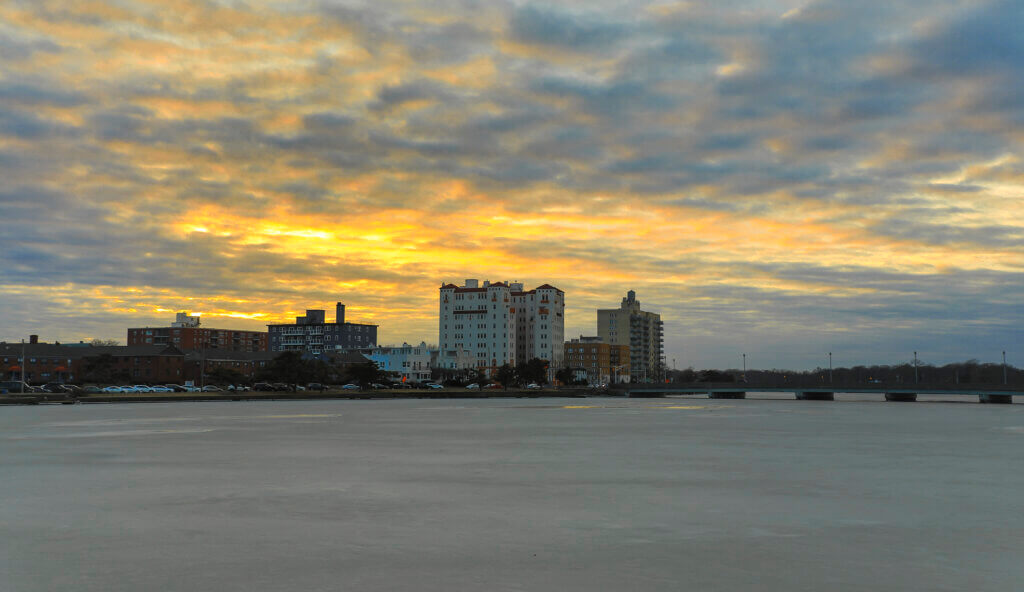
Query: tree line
point(968, 373)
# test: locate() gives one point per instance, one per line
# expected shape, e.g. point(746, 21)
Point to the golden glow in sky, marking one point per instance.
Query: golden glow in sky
point(779, 177)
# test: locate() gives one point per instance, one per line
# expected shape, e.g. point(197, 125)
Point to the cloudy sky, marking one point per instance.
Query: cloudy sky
point(778, 178)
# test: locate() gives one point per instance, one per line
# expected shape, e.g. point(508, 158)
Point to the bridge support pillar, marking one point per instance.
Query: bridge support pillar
point(901, 397)
point(996, 399)
point(814, 396)
point(714, 395)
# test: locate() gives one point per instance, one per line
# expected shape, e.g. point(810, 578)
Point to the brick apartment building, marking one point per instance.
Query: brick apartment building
point(186, 334)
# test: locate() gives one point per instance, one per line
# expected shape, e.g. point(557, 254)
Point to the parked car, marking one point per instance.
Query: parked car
point(112, 389)
point(263, 386)
point(431, 385)
point(177, 388)
point(54, 387)
point(533, 386)
point(473, 386)
point(160, 389)
point(281, 387)
point(143, 388)
point(315, 386)
point(493, 386)
point(91, 390)
point(212, 388)
point(351, 387)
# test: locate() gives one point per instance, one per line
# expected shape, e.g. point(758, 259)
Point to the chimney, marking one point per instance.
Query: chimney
point(471, 283)
point(339, 315)
point(33, 339)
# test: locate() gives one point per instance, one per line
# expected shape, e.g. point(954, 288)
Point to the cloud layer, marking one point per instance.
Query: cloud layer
point(776, 178)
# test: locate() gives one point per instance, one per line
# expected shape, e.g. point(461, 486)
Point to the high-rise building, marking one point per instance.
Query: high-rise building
point(642, 331)
point(501, 323)
point(312, 333)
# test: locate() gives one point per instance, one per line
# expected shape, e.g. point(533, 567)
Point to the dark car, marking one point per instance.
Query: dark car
point(315, 386)
point(263, 386)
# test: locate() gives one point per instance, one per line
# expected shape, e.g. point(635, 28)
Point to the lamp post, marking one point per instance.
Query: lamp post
point(1004, 367)
point(830, 367)
point(915, 367)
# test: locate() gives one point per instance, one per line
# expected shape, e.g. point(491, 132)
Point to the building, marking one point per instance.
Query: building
point(410, 362)
point(452, 361)
point(186, 334)
point(600, 362)
point(200, 364)
point(312, 333)
point(501, 323)
point(641, 331)
point(54, 362)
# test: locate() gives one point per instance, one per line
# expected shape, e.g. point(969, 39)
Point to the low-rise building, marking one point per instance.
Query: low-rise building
point(185, 333)
point(409, 362)
point(600, 362)
point(312, 333)
point(54, 362)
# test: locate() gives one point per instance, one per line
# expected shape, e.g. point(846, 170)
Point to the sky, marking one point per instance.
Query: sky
point(776, 178)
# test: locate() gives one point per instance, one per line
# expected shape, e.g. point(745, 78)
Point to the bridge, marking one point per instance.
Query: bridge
point(999, 394)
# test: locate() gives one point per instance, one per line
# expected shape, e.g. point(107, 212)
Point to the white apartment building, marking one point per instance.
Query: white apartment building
point(501, 323)
point(408, 361)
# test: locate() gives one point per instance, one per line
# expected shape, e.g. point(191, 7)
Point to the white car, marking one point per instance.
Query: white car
point(111, 389)
point(141, 388)
point(533, 386)
point(431, 385)
point(473, 386)
point(160, 389)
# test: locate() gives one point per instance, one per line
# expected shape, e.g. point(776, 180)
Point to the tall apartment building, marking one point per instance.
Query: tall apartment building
point(601, 362)
point(312, 333)
point(186, 334)
point(501, 323)
point(641, 331)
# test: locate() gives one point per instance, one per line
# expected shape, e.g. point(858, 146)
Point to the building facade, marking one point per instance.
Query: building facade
point(501, 323)
point(601, 363)
point(640, 330)
point(78, 363)
point(186, 334)
point(312, 333)
point(410, 362)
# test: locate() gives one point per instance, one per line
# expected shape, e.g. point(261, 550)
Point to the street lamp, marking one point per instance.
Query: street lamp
point(1004, 367)
point(915, 367)
point(830, 367)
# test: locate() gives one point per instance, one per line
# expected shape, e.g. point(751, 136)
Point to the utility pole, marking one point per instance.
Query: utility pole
point(1004, 367)
point(915, 367)
point(830, 367)
point(22, 386)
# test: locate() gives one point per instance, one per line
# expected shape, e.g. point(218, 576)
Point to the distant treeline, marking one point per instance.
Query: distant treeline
point(966, 373)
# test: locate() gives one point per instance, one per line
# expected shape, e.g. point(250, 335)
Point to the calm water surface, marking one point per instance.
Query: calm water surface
point(515, 494)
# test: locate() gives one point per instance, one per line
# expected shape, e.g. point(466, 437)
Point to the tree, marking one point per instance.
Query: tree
point(365, 373)
point(289, 367)
point(225, 375)
point(565, 376)
point(534, 371)
point(104, 342)
point(507, 376)
point(103, 369)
